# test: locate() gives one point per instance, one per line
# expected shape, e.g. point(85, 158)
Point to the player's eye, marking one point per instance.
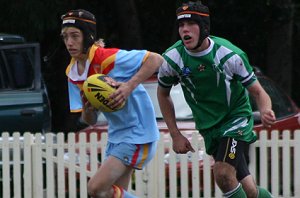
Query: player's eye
point(73, 37)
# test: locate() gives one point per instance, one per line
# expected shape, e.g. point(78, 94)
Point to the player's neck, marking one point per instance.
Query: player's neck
point(205, 44)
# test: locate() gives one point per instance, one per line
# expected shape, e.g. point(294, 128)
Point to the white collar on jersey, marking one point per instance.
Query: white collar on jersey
point(204, 52)
point(73, 73)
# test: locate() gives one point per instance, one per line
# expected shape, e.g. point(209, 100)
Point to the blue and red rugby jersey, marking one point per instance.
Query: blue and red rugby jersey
point(136, 122)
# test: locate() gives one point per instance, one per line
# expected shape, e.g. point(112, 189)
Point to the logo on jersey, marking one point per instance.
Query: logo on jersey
point(231, 155)
point(186, 71)
point(240, 132)
point(201, 68)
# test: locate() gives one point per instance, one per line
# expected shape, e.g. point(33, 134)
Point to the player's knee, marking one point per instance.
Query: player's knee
point(94, 191)
point(91, 190)
point(225, 176)
point(224, 170)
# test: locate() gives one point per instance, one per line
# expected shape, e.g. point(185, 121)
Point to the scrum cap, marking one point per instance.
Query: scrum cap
point(83, 20)
point(197, 12)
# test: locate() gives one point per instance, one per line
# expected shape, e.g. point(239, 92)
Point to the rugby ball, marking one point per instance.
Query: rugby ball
point(97, 92)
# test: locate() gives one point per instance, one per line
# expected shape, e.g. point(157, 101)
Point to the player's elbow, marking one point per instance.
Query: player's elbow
point(156, 60)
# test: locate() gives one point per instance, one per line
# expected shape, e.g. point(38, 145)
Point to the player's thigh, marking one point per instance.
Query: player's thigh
point(124, 180)
point(233, 152)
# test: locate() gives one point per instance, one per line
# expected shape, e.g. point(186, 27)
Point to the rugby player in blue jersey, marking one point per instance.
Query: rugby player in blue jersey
point(132, 131)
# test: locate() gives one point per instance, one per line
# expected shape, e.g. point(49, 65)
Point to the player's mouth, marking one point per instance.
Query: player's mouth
point(72, 51)
point(187, 37)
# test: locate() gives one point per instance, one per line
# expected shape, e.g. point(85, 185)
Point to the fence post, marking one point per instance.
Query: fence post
point(28, 185)
point(71, 166)
point(263, 173)
point(50, 185)
point(286, 166)
point(93, 153)
point(83, 163)
point(6, 165)
point(16, 165)
point(60, 166)
point(37, 166)
point(275, 163)
point(297, 163)
point(195, 166)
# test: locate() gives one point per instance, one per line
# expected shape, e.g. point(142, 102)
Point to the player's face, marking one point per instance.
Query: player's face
point(73, 39)
point(189, 32)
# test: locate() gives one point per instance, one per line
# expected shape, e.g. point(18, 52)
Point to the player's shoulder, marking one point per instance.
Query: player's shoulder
point(177, 45)
point(219, 41)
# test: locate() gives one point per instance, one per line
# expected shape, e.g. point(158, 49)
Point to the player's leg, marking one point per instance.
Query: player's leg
point(101, 184)
point(247, 180)
point(229, 154)
point(114, 175)
point(124, 180)
point(140, 155)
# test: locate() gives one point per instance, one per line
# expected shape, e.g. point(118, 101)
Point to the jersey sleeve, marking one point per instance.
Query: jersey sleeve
point(75, 101)
point(243, 70)
point(167, 76)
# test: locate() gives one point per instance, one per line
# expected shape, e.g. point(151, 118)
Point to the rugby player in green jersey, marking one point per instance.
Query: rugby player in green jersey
point(216, 78)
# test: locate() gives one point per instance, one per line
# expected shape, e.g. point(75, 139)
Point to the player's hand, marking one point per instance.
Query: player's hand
point(116, 99)
point(120, 95)
point(268, 118)
point(181, 144)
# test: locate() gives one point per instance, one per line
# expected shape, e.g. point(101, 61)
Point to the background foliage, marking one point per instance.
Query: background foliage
point(268, 31)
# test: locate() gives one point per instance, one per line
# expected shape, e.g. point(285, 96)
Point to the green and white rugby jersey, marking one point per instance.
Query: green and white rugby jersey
point(213, 81)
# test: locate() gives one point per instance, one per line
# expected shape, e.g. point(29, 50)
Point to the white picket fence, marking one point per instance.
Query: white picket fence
point(35, 167)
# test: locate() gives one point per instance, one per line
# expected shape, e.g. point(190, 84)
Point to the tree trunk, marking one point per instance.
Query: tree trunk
point(279, 43)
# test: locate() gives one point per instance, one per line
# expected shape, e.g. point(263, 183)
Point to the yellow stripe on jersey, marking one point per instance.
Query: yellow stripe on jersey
point(109, 60)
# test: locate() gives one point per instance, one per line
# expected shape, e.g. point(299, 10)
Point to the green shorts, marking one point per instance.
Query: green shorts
point(239, 128)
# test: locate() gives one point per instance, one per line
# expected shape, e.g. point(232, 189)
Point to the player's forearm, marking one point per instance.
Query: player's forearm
point(148, 68)
point(89, 117)
point(262, 100)
point(168, 111)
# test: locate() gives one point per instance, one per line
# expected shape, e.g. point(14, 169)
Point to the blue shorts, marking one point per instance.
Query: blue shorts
point(134, 155)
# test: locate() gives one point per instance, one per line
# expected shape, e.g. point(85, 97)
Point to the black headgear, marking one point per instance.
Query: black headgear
point(83, 20)
point(197, 12)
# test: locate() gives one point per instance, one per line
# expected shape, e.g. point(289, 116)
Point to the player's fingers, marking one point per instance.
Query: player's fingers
point(270, 115)
point(190, 148)
point(268, 123)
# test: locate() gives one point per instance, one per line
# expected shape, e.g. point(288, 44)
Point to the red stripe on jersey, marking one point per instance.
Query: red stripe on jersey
point(104, 60)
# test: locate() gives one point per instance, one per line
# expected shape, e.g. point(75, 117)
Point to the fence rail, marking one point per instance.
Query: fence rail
point(55, 165)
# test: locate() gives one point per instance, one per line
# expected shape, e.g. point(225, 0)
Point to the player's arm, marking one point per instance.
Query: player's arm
point(147, 69)
point(180, 143)
point(263, 102)
point(78, 103)
point(89, 113)
point(167, 109)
